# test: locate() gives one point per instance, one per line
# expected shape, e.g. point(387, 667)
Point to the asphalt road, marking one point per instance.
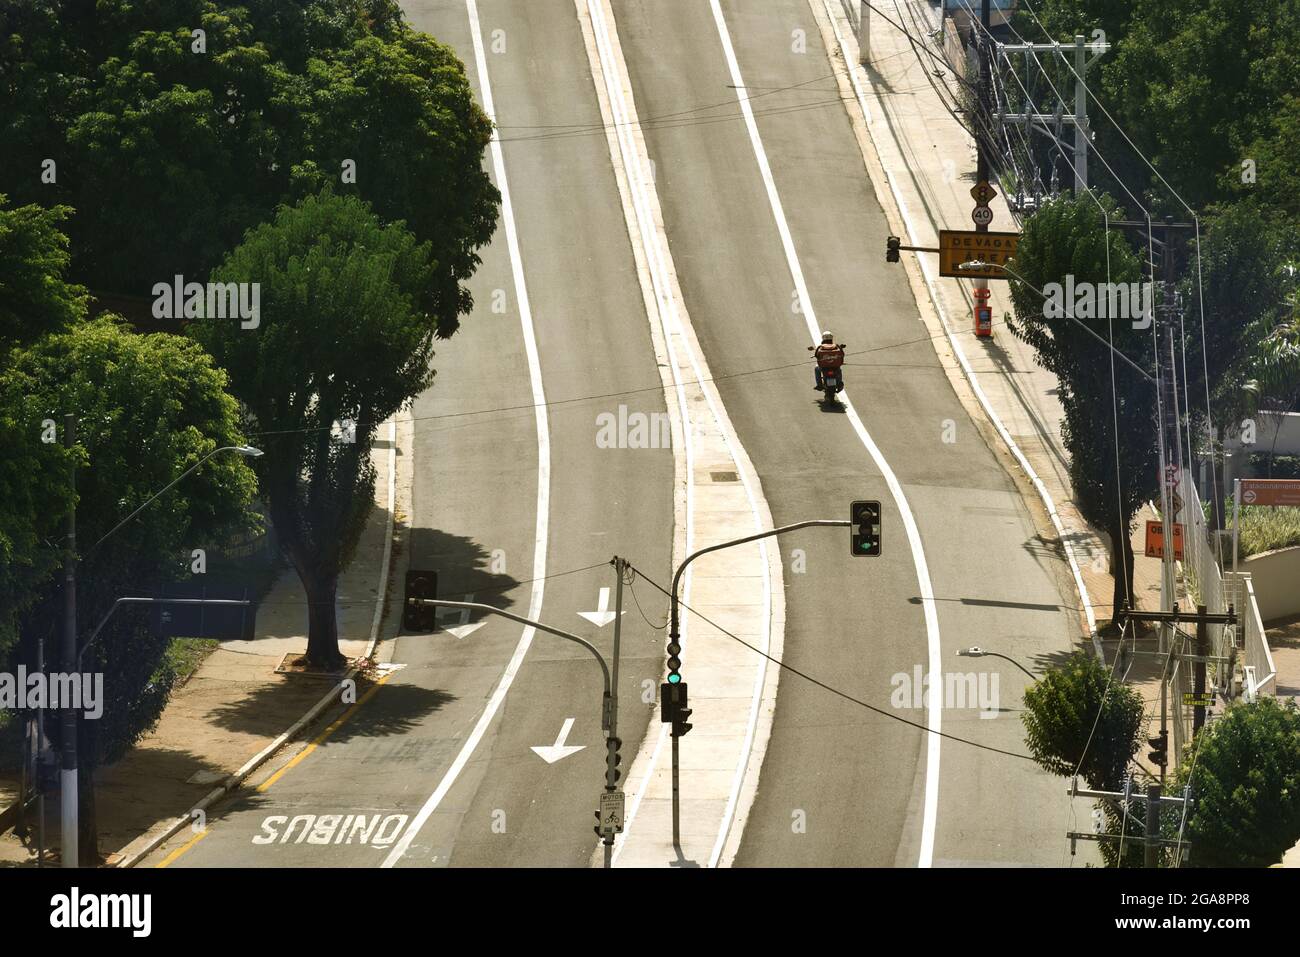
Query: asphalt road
point(841, 784)
point(474, 511)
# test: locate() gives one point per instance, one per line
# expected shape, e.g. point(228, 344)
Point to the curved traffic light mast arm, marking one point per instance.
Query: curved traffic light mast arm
point(677, 576)
point(489, 609)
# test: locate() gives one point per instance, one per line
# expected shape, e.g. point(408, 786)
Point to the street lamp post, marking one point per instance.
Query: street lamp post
point(978, 652)
point(608, 702)
point(71, 655)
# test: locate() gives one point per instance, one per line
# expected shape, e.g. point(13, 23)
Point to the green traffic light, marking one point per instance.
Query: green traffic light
point(674, 678)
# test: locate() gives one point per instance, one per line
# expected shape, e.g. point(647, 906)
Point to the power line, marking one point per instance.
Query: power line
point(824, 686)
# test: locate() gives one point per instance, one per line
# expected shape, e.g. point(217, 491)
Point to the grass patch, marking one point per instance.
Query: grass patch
point(184, 655)
point(1264, 528)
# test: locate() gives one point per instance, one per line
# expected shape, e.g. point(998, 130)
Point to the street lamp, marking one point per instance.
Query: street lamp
point(71, 654)
point(975, 651)
point(980, 264)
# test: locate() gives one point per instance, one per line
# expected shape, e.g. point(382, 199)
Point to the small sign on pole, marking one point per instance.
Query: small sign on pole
point(1155, 543)
point(611, 812)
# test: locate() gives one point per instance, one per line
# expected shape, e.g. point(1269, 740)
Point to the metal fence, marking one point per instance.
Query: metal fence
point(1247, 642)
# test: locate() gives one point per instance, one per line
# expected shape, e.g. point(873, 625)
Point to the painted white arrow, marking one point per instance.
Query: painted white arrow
point(602, 616)
point(559, 749)
point(464, 629)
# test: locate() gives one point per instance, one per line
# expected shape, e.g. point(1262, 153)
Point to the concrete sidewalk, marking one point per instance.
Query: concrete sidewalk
point(235, 706)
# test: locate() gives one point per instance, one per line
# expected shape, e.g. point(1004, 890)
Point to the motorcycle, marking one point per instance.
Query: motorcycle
point(832, 382)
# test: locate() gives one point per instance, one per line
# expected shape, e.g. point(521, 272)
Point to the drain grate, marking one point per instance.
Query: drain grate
point(724, 476)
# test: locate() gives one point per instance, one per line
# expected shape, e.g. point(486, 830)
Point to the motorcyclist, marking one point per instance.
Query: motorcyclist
point(829, 355)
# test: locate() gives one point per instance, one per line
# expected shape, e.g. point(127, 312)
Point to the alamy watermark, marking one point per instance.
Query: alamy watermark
point(214, 300)
point(1134, 301)
point(80, 691)
point(960, 690)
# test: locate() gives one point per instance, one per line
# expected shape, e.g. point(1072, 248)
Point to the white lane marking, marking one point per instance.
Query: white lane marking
point(552, 753)
point(641, 185)
point(934, 712)
point(602, 616)
point(966, 368)
point(543, 466)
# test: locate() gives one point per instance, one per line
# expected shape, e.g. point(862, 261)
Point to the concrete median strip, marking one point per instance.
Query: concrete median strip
point(733, 690)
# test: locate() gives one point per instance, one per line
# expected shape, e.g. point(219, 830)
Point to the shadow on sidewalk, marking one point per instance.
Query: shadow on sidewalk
point(395, 710)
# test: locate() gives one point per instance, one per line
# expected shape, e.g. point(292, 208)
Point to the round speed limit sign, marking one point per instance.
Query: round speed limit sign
point(982, 215)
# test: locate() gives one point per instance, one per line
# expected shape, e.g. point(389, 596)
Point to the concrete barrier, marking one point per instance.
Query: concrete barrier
point(1276, 577)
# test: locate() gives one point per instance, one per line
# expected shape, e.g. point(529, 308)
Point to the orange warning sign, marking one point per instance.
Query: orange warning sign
point(1156, 541)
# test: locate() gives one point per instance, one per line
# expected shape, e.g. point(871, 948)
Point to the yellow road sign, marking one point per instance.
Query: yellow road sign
point(957, 246)
point(982, 192)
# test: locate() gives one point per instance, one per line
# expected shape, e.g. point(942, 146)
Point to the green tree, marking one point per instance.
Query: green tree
point(34, 300)
point(170, 154)
point(1064, 731)
point(148, 408)
point(342, 336)
point(34, 296)
point(1245, 779)
point(1194, 82)
point(1080, 719)
point(1249, 291)
point(1112, 474)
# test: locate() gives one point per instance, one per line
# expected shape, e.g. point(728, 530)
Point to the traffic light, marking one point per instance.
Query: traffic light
point(865, 517)
point(680, 726)
point(672, 707)
point(417, 617)
point(891, 249)
point(674, 663)
point(1159, 749)
point(612, 760)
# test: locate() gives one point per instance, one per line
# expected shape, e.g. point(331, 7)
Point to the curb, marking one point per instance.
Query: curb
point(146, 844)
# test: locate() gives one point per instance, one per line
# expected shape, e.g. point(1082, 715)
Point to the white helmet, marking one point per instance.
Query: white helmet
point(827, 337)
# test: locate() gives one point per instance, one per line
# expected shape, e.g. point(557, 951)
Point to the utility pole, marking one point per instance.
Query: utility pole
point(1151, 857)
point(612, 809)
point(68, 661)
point(864, 32)
point(983, 318)
point(1198, 669)
point(1050, 124)
point(1151, 840)
point(1167, 620)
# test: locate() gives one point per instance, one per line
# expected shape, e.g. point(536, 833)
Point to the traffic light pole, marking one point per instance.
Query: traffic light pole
point(674, 636)
point(68, 660)
point(608, 702)
point(491, 610)
point(612, 742)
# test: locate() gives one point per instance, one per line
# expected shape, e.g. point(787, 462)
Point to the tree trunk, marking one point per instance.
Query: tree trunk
point(1121, 566)
point(322, 622)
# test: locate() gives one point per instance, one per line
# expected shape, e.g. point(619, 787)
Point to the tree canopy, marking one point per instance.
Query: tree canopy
point(170, 146)
point(342, 338)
